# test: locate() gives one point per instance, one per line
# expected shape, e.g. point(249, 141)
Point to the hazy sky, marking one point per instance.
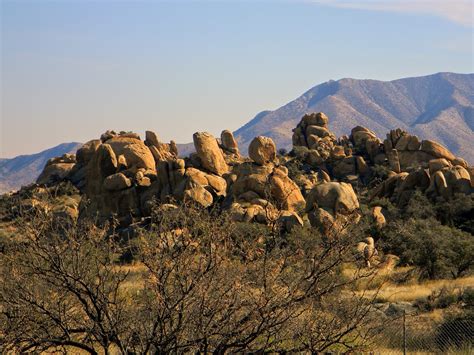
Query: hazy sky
point(73, 69)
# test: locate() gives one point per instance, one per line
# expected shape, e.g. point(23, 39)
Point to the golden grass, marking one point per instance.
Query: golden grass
point(134, 281)
point(396, 293)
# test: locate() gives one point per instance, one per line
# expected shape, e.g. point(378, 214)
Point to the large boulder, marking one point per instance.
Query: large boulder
point(265, 186)
point(360, 135)
point(102, 164)
point(409, 159)
point(317, 131)
point(229, 143)
point(311, 124)
point(252, 177)
point(436, 150)
point(458, 180)
point(136, 153)
point(315, 119)
point(285, 191)
point(160, 151)
point(217, 183)
point(85, 153)
point(198, 194)
point(56, 169)
point(438, 164)
point(262, 150)
point(171, 179)
point(209, 153)
point(151, 139)
point(117, 182)
point(337, 197)
point(408, 142)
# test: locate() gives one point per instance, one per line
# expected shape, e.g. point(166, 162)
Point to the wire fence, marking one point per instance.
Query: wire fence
point(416, 334)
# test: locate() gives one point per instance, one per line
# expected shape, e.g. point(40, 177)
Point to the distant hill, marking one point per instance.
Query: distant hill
point(438, 107)
point(24, 169)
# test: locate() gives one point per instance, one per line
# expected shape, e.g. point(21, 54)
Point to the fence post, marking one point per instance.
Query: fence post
point(404, 333)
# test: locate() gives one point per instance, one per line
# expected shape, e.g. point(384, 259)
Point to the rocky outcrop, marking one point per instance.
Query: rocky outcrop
point(318, 147)
point(228, 143)
point(268, 187)
point(261, 190)
point(160, 151)
point(262, 150)
point(117, 182)
point(209, 153)
point(137, 156)
point(409, 152)
point(122, 176)
point(57, 169)
point(440, 180)
point(330, 205)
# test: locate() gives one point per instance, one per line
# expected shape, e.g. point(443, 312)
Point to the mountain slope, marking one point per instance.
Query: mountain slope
point(438, 107)
point(24, 169)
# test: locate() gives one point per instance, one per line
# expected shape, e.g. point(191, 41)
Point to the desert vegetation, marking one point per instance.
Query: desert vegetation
point(127, 248)
point(193, 280)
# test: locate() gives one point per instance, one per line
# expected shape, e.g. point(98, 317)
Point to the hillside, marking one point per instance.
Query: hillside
point(438, 107)
point(24, 169)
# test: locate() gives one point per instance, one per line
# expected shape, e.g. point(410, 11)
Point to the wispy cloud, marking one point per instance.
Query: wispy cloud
point(458, 11)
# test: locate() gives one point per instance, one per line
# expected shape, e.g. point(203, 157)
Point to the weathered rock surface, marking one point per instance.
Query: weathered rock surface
point(116, 182)
point(209, 153)
point(136, 153)
point(229, 143)
point(57, 169)
point(436, 150)
point(337, 197)
point(331, 206)
point(262, 150)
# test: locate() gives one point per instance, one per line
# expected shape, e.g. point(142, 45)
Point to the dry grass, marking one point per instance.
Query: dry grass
point(391, 292)
point(134, 281)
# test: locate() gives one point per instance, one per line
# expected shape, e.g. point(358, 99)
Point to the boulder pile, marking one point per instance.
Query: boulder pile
point(261, 189)
point(422, 165)
point(318, 147)
point(121, 176)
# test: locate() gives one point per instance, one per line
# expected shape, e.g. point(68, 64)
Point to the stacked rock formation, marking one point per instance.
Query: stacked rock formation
point(323, 151)
point(424, 165)
point(262, 190)
point(121, 176)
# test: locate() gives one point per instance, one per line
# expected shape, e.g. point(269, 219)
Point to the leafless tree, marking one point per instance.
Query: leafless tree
point(207, 284)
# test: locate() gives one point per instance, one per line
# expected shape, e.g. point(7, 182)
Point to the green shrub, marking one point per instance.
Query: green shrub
point(438, 251)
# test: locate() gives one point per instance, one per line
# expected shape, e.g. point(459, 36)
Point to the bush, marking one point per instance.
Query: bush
point(440, 299)
point(438, 251)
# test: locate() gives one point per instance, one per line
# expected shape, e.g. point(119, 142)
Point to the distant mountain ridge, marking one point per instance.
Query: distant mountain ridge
point(24, 169)
point(438, 107)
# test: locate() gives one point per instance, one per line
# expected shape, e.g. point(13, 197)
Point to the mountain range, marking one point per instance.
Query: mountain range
point(24, 169)
point(438, 107)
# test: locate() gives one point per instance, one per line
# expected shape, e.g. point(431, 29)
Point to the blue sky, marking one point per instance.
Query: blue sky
point(72, 69)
